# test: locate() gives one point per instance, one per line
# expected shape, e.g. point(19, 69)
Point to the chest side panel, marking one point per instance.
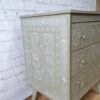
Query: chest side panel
point(46, 49)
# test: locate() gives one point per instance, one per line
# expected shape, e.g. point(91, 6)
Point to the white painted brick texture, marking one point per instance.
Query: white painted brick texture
point(12, 61)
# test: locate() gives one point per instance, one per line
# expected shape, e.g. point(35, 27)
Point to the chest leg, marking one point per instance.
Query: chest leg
point(98, 87)
point(34, 94)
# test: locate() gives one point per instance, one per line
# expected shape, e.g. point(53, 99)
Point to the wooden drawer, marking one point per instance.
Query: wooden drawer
point(84, 58)
point(84, 81)
point(84, 34)
point(76, 18)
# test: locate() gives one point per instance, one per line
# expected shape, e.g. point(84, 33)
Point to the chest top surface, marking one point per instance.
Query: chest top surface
point(63, 12)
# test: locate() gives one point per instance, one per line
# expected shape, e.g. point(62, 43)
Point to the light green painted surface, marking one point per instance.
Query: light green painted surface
point(47, 54)
point(62, 53)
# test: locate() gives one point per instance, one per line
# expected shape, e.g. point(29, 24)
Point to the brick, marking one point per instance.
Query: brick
point(29, 6)
point(44, 1)
point(13, 5)
point(61, 2)
point(91, 5)
point(6, 25)
point(2, 14)
point(11, 15)
point(79, 3)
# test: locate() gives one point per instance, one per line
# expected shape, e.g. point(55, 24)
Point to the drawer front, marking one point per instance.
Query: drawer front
point(84, 18)
point(84, 34)
point(84, 81)
point(84, 58)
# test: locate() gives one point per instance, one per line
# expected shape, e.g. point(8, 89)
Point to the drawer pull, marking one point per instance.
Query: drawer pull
point(82, 84)
point(84, 61)
point(83, 37)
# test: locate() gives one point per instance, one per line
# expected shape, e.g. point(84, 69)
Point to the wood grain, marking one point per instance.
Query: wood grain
point(98, 5)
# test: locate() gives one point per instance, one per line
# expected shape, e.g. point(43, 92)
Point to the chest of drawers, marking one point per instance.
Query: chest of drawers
point(62, 53)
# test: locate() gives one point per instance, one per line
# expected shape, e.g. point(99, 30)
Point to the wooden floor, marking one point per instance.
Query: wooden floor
point(92, 95)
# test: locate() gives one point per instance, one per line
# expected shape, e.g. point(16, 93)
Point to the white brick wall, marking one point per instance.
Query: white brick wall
point(12, 64)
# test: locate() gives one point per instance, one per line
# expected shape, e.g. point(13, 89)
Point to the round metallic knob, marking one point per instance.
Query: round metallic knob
point(82, 84)
point(83, 37)
point(82, 61)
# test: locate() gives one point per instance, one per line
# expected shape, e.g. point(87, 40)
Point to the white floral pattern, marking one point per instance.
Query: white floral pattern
point(47, 38)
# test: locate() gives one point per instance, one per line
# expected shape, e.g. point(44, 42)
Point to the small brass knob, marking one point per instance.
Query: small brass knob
point(82, 61)
point(83, 37)
point(82, 84)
